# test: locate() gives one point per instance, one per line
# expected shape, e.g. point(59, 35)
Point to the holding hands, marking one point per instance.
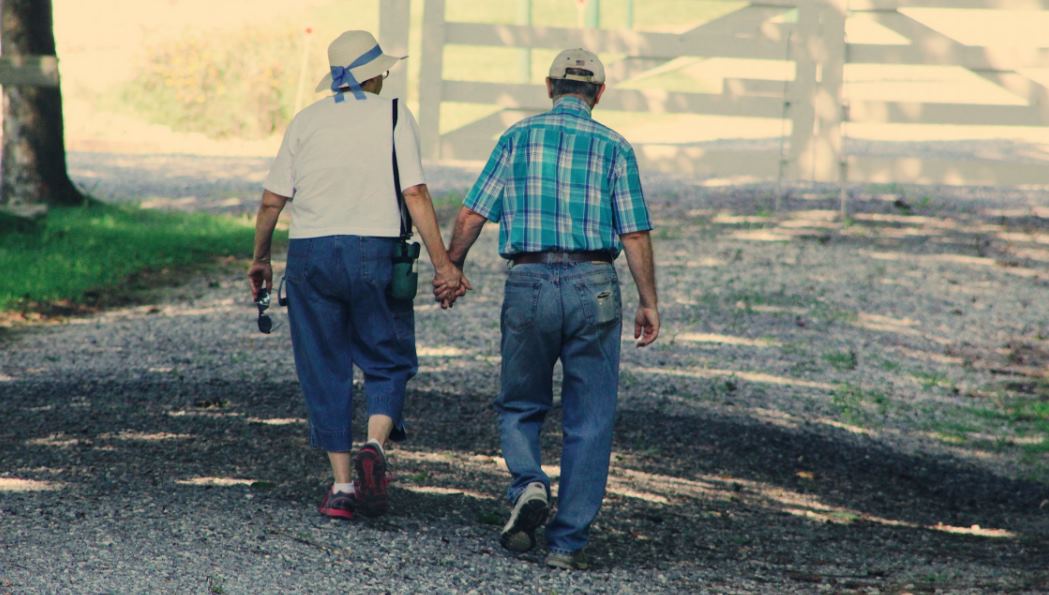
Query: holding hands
point(449, 284)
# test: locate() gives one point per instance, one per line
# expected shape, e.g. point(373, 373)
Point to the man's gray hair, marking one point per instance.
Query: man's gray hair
point(570, 87)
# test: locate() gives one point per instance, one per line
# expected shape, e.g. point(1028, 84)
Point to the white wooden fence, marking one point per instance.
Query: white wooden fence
point(813, 102)
point(998, 65)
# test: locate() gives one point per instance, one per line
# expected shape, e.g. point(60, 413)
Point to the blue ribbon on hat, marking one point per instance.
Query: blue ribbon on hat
point(341, 75)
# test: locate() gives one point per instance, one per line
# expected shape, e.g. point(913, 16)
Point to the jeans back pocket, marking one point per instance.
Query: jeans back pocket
point(608, 307)
point(601, 297)
point(520, 304)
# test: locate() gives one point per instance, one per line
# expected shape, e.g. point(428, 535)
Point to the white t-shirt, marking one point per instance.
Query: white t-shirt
point(336, 165)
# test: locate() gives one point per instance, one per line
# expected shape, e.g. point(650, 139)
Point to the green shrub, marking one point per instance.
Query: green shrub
point(239, 84)
point(79, 249)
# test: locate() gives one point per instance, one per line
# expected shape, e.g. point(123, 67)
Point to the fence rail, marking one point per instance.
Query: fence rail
point(37, 71)
point(813, 102)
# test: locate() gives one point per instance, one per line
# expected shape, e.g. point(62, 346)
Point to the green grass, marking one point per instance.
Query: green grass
point(1033, 417)
point(490, 517)
point(931, 380)
point(1014, 422)
point(779, 298)
point(420, 477)
point(79, 249)
point(841, 360)
point(889, 365)
point(857, 405)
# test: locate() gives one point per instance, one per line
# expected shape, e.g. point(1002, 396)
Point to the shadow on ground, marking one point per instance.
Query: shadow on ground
point(704, 489)
point(792, 432)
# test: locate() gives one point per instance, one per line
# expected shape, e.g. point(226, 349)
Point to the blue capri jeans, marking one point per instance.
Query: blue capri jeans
point(340, 317)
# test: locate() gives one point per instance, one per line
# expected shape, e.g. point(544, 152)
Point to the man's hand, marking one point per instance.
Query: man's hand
point(260, 274)
point(448, 280)
point(468, 226)
point(646, 326)
point(638, 248)
point(449, 284)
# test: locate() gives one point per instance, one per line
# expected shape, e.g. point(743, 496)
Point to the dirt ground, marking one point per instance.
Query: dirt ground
point(855, 407)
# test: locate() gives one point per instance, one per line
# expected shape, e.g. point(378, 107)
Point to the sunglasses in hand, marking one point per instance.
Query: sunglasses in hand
point(262, 302)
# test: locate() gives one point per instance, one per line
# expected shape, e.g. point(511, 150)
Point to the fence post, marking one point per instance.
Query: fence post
point(524, 17)
point(431, 77)
point(593, 14)
point(815, 98)
point(394, 20)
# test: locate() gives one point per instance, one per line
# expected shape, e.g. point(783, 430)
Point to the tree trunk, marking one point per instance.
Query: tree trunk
point(34, 153)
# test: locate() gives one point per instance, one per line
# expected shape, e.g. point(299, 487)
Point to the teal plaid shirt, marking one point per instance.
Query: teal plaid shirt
point(559, 181)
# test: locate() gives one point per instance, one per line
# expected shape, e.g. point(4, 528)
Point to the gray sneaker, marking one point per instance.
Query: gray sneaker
point(573, 561)
point(529, 514)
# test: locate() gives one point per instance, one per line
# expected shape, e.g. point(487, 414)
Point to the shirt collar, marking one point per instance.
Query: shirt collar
point(572, 104)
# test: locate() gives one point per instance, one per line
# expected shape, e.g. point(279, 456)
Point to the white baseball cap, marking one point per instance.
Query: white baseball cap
point(360, 48)
point(581, 59)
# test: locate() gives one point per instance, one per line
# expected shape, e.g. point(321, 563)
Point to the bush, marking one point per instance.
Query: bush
point(222, 84)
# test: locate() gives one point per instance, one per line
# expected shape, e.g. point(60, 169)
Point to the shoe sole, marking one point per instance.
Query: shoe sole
point(520, 536)
point(561, 564)
point(336, 513)
point(371, 485)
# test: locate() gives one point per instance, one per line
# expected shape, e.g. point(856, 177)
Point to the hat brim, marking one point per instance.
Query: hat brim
point(370, 70)
point(593, 80)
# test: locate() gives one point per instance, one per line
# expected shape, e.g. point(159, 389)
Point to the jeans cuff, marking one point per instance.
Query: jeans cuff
point(331, 440)
point(388, 405)
point(562, 551)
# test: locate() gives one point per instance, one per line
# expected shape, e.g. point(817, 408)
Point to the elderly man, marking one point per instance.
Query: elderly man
point(337, 166)
point(567, 195)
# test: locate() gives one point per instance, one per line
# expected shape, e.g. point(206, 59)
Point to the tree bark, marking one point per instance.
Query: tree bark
point(34, 153)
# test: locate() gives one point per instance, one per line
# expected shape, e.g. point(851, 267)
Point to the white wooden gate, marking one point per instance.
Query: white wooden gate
point(813, 102)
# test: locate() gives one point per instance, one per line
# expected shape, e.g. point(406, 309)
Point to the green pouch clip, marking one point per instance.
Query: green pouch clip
point(404, 283)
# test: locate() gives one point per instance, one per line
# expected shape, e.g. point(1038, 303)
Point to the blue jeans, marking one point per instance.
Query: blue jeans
point(340, 317)
point(571, 312)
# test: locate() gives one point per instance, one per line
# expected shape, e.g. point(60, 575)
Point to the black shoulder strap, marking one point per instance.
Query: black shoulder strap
point(406, 218)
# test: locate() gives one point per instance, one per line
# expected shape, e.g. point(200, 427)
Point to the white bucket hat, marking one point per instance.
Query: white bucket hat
point(355, 57)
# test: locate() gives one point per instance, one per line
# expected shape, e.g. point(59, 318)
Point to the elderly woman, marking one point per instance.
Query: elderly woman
point(336, 167)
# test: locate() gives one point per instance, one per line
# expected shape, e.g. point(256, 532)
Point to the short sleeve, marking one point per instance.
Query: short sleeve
point(629, 211)
point(485, 198)
point(406, 138)
point(281, 179)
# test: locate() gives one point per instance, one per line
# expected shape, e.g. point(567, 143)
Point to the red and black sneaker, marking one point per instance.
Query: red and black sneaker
point(337, 505)
point(370, 465)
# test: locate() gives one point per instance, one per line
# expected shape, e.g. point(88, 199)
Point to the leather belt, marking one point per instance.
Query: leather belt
point(562, 257)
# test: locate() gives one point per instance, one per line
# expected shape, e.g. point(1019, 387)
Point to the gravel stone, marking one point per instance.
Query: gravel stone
point(791, 430)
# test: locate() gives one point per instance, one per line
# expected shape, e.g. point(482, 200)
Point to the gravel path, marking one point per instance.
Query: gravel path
point(852, 408)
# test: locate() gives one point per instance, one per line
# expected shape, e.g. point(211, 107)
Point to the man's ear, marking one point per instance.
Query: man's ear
point(600, 92)
point(549, 88)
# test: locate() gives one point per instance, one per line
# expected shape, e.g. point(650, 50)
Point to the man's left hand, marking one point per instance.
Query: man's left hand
point(646, 326)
